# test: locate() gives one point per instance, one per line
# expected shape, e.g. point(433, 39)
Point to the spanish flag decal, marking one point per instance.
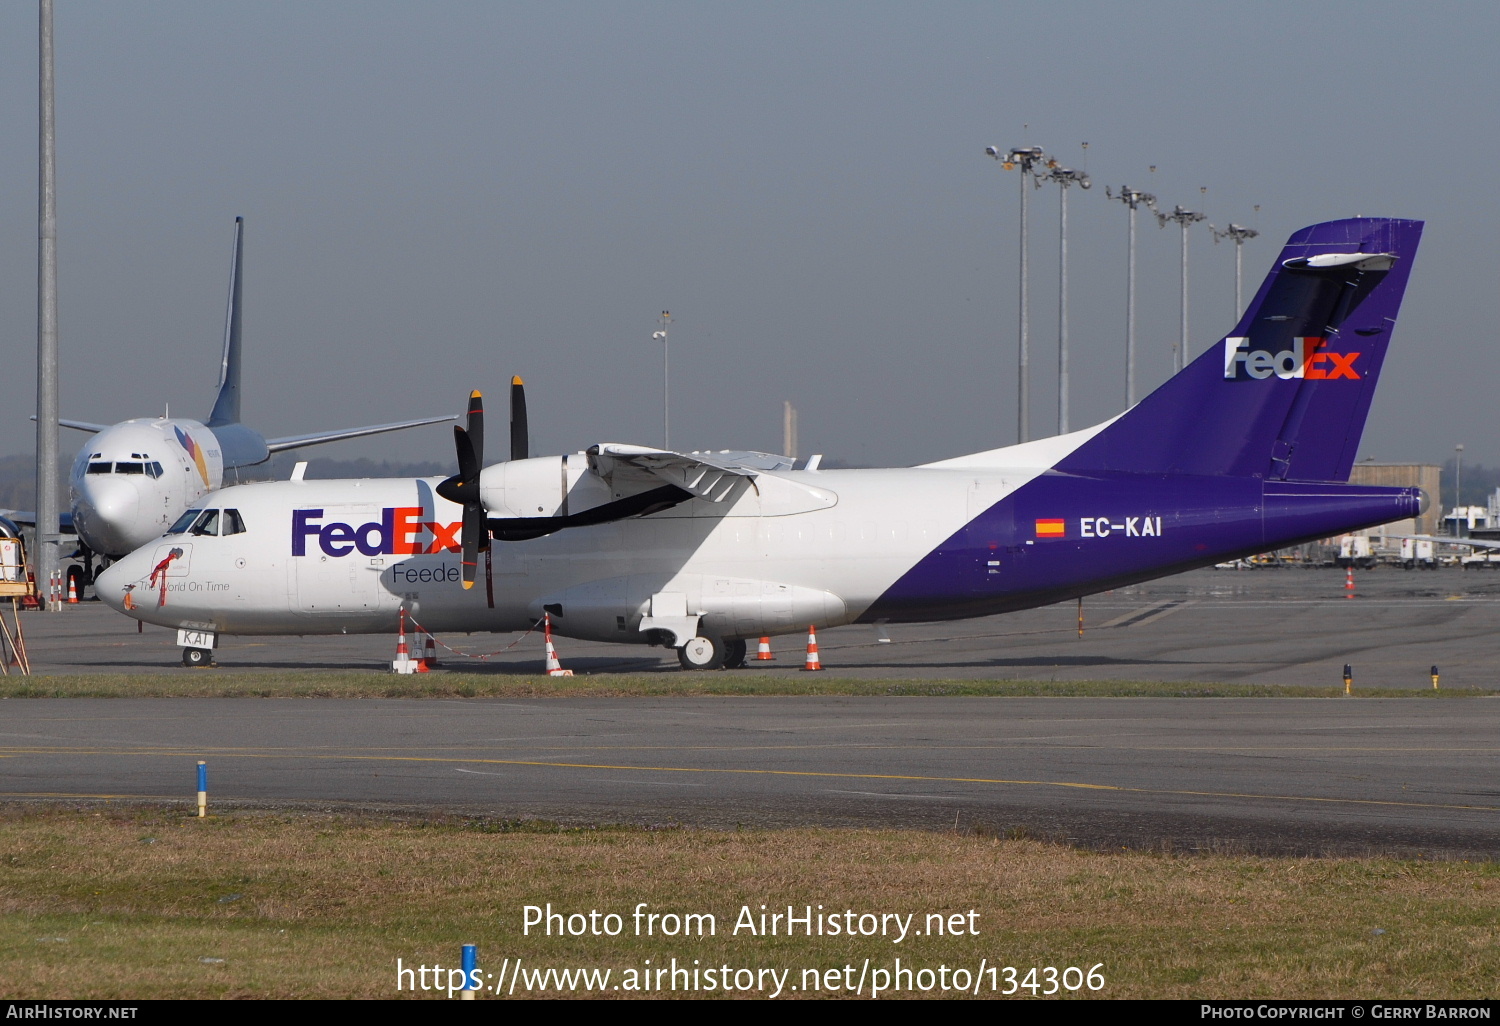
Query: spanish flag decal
point(1052, 528)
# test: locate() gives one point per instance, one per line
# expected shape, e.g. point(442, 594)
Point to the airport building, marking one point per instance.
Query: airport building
point(1426, 476)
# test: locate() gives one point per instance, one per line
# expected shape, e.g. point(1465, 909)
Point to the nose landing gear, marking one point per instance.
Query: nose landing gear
point(712, 654)
point(197, 657)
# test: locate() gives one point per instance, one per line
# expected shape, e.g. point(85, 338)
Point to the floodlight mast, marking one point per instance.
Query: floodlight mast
point(1026, 158)
point(1132, 198)
point(666, 382)
point(1239, 233)
point(1184, 217)
point(1065, 178)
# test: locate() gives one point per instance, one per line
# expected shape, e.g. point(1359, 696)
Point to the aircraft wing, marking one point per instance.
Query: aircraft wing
point(711, 476)
point(80, 425)
point(652, 480)
point(27, 518)
point(298, 441)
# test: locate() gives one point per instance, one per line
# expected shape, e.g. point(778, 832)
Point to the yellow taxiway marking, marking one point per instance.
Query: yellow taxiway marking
point(1021, 744)
point(827, 775)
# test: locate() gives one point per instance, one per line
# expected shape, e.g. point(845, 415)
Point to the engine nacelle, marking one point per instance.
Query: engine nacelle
point(545, 486)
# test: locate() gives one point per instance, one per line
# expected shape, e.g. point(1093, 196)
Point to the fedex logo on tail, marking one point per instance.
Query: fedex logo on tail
point(1306, 359)
point(397, 533)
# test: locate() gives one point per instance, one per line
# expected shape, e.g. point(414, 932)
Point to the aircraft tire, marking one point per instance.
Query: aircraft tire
point(78, 579)
point(734, 654)
point(701, 654)
point(196, 657)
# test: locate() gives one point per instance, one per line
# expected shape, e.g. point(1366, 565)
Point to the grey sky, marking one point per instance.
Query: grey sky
point(438, 196)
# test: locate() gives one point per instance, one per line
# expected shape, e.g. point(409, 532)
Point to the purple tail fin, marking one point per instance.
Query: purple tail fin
point(1284, 397)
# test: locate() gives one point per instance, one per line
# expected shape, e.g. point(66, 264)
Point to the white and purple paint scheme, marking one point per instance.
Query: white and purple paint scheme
point(1249, 448)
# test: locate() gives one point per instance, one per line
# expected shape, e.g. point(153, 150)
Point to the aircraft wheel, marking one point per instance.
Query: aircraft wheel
point(196, 657)
point(77, 578)
point(701, 654)
point(734, 654)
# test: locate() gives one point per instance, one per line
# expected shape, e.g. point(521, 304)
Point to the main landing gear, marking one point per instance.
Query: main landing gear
point(712, 654)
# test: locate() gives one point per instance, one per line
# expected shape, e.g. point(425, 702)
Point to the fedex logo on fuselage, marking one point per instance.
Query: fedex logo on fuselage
point(394, 534)
point(1306, 359)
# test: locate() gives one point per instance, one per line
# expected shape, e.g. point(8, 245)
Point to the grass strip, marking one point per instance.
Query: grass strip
point(373, 684)
point(142, 902)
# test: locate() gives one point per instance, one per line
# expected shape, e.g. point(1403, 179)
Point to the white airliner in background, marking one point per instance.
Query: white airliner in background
point(1246, 450)
point(134, 479)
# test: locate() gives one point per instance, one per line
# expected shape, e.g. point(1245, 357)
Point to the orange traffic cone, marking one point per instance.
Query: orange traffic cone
point(72, 590)
point(812, 649)
point(554, 668)
point(1349, 583)
point(429, 652)
point(403, 663)
point(764, 650)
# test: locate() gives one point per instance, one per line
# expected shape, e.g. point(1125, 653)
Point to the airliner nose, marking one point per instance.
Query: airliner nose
point(107, 512)
point(114, 582)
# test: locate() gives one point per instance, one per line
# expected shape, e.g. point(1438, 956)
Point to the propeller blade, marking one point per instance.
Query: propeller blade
point(475, 540)
point(463, 487)
point(476, 427)
point(520, 444)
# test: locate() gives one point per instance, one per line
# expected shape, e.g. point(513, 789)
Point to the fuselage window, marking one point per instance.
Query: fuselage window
point(130, 468)
point(208, 523)
point(100, 468)
point(233, 523)
point(185, 521)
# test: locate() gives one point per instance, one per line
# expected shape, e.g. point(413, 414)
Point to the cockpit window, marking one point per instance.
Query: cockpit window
point(185, 521)
point(233, 523)
point(208, 523)
point(153, 469)
point(130, 468)
point(100, 468)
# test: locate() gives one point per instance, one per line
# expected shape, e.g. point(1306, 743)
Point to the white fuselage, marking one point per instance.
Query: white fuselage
point(324, 557)
point(789, 549)
point(131, 481)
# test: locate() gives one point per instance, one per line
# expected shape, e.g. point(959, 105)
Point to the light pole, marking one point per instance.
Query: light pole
point(1183, 216)
point(45, 558)
point(1026, 158)
point(1132, 198)
point(1065, 177)
point(1458, 492)
point(666, 381)
point(1239, 233)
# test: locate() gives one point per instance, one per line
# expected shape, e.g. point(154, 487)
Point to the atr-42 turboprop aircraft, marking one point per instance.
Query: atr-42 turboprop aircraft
point(1245, 450)
point(133, 480)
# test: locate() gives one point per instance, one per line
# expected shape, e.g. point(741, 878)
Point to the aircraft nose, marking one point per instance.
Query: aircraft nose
point(107, 511)
point(115, 582)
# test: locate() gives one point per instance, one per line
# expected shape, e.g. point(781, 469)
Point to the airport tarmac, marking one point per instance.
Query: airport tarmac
point(1288, 776)
point(1275, 626)
point(1277, 775)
